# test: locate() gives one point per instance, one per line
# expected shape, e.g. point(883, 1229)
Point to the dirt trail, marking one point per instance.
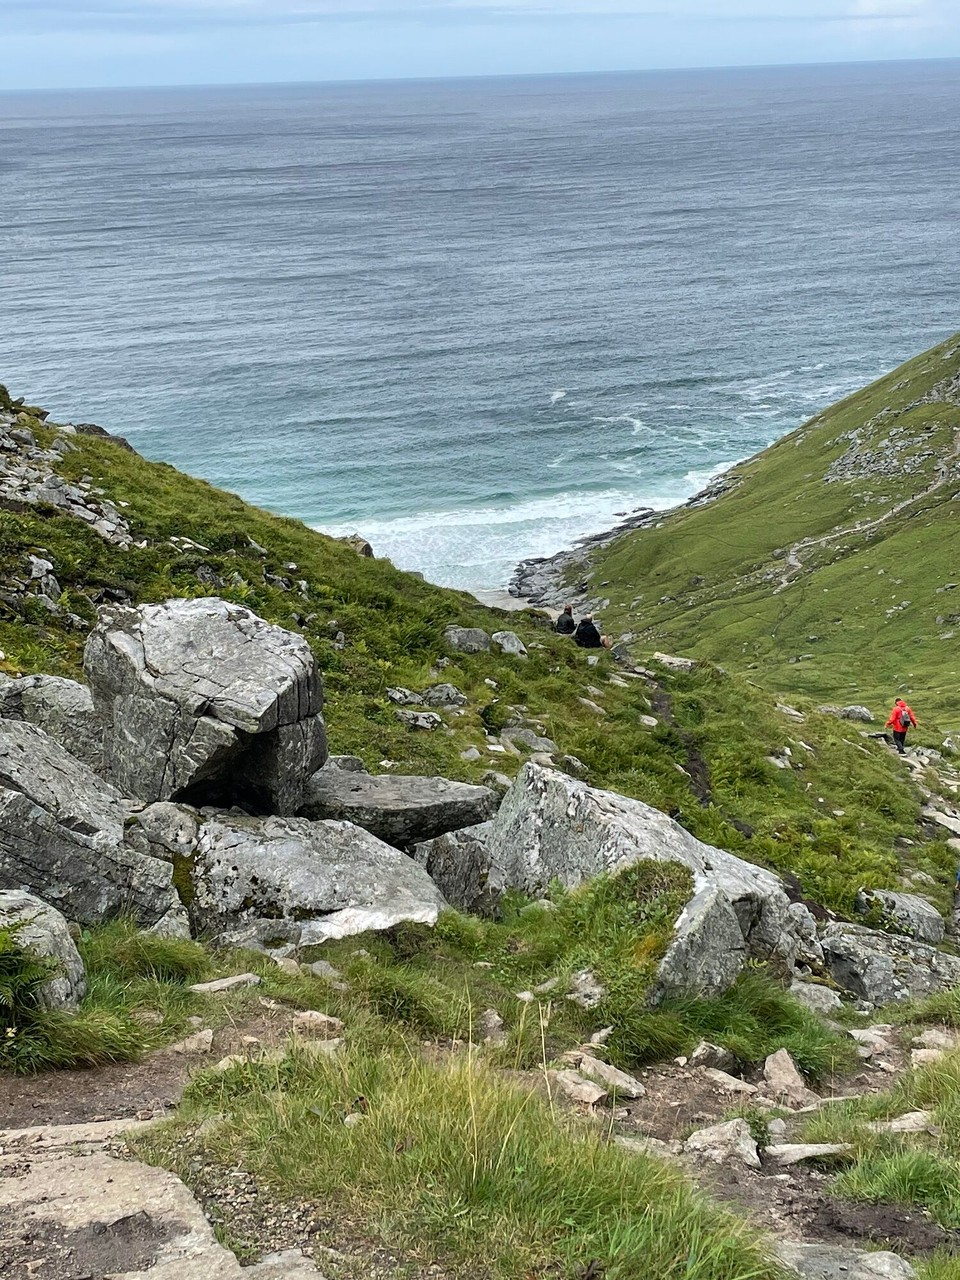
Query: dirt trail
point(794, 563)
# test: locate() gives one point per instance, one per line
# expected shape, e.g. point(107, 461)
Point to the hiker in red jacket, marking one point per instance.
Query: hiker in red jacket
point(900, 720)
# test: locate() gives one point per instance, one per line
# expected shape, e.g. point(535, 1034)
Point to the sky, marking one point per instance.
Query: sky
point(87, 43)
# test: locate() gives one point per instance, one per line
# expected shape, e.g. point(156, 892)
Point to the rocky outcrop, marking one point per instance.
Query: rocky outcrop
point(831, 1262)
point(400, 810)
point(906, 913)
point(552, 827)
point(62, 708)
point(42, 930)
point(62, 837)
point(883, 967)
point(205, 702)
point(305, 881)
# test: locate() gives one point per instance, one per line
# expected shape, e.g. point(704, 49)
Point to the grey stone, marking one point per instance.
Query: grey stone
point(459, 864)
point(62, 836)
point(199, 1042)
point(711, 1055)
point(577, 1087)
point(816, 997)
point(789, 1153)
point(857, 712)
point(119, 1217)
point(219, 985)
point(425, 720)
point(328, 879)
point(553, 827)
point(585, 990)
point(466, 639)
point(398, 809)
point(730, 1141)
point(509, 642)
point(785, 1081)
point(62, 708)
point(204, 701)
point(490, 1028)
point(907, 912)
point(674, 663)
point(42, 930)
point(730, 1084)
point(349, 764)
point(910, 1122)
point(831, 1262)
point(884, 967)
point(288, 1264)
point(617, 1082)
point(404, 697)
point(444, 695)
point(527, 738)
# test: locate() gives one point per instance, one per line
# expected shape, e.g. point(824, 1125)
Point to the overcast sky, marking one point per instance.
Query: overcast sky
point(62, 43)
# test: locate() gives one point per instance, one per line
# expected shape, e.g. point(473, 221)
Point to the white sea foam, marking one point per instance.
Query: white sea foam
point(479, 547)
point(557, 396)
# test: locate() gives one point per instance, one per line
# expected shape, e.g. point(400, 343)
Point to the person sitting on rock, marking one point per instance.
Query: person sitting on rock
point(588, 637)
point(901, 719)
point(565, 624)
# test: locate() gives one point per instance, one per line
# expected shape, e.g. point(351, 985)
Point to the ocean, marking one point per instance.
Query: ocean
point(475, 319)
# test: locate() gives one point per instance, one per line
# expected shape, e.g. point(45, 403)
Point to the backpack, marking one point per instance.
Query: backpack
point(904, 718)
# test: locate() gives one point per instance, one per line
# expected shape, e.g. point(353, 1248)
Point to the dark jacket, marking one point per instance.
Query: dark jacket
point(587, 636)
point(566, 625)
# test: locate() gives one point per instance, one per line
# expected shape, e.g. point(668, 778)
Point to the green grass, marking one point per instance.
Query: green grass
point(450, 1162)
point(922, 1170)
point(703, 581)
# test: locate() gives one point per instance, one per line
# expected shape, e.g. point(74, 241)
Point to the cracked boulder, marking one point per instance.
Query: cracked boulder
point(62, 708)
point(906, 913)
point(62, 837)
point(552, 827)
point(400, 810)
point(305, 881)
point(204, 702)
point(43, 931)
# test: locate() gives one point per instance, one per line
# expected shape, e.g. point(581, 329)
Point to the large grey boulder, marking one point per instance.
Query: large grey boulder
point(205, 702)
point(907, 913)
point(882, 967)
point(42, 930)
point(552, 827)
point(398, 809)
point(62, 837)
point(62, 708)
point(310, 881)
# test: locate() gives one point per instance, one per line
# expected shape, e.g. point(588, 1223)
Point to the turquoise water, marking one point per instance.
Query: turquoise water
point(476, 319)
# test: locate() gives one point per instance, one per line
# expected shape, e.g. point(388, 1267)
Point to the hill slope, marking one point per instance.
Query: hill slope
point(826, 565)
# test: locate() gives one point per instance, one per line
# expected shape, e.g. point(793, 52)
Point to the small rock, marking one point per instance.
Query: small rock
point(287, 965)
point(732, 1084)
point(490, 1028)
point(404, 697)
point(323, 969)
point(585, 990)
point(319, 1048)
point(574, 1086)
point(924, 1057)
point(674, 663)
point(616, 1081)
point(911, 1122)
point(353, 1119)
point(311, 1022)
point(419, 720)
point(794, 1152)
point(471, 753)
point(936, 1039)
point(199, 1042)
point(776, 1128)
point(832, 1262)
point(444, 695)
point(466, 639)
point(731, 1140)
point(785, 1081)
point(509, 642)
point(219, 985)
point(712, 1055)
point(816, 997)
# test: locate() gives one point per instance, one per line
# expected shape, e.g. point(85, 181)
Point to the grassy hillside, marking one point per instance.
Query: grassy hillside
point(802, 572)
point(696, 745)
